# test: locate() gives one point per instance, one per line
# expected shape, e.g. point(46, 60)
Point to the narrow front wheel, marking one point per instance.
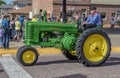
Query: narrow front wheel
point(27, 56)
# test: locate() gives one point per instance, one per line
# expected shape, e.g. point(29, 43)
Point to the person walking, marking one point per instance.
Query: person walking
point(17, 29)
point(21, 19)
point(34, 19)
point(112, 21)
point(5, 32)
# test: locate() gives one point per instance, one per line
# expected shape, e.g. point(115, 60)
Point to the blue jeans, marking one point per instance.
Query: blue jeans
point(5, 40)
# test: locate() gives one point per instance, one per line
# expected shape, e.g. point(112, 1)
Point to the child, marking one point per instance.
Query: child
point(0, 36)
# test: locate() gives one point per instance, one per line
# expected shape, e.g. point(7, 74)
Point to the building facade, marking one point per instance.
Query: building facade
point(42, 5)
point(22, 3)
point(5, 8)
point(105, 7)
point(79, 6)
point(55, 6)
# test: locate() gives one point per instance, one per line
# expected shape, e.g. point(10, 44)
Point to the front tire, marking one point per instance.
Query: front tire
point(27, 56)
point(93, 47)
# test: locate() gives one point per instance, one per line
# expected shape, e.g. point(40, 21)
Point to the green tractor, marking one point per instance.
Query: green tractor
point(91, 47)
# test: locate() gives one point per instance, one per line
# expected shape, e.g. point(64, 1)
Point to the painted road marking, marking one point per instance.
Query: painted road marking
point(46, 51)
point(12, 68)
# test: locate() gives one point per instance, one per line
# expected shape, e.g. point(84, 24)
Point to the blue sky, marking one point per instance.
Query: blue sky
point(8, 1)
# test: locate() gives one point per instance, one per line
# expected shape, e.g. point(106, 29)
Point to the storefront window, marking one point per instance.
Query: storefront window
point(113, 14)
point(103, 16)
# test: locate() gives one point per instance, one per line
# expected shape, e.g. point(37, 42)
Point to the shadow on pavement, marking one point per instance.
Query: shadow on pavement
point(112, 30)
point(1, 70)
point(112, 61)
point(73, 76)
point(56, 62)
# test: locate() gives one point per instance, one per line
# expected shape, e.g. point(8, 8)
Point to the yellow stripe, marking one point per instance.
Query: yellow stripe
point(116, 49)
point(46, 50)
point(40, 50)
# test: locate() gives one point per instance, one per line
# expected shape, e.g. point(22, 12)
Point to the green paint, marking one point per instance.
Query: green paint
point(53, 34)
point(43, 34)
point(45, 16)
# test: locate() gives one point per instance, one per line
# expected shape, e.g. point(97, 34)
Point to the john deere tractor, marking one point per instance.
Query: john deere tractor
point(91, 47)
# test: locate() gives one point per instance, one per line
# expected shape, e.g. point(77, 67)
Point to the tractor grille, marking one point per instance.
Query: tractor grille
point(30, 32)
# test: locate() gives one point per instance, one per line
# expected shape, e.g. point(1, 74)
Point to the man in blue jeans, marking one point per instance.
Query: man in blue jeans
point(93, 20)
point(5, 31)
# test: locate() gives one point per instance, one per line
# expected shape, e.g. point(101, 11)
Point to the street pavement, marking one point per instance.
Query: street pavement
point(57, 66)
point(54, 65)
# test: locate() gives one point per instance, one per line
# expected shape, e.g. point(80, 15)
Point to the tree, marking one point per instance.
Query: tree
point(2, 2)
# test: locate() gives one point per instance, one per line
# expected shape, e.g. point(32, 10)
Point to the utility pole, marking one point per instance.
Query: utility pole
point(64, 12)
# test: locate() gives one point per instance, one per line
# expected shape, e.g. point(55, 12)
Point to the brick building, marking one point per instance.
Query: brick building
point(42, 4)
point(21, 3)
point(22, 11)
point(5, 8)
point(55, 6)
point(105, 7)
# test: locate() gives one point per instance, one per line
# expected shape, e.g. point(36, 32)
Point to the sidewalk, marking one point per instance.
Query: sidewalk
point(108, 26)
point(14, 46)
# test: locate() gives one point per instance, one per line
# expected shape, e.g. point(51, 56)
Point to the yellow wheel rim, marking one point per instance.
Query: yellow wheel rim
point(95, 48)
point(72, 53)
point(28, 56)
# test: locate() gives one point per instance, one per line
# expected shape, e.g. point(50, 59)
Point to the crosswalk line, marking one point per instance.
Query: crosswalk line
point(12, 68)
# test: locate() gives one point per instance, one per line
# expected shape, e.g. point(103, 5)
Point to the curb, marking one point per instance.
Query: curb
point(40, 51)
point(115, 49)
point(46, 51)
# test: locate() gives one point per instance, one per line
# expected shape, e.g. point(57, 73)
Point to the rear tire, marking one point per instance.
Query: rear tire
point(93, 47)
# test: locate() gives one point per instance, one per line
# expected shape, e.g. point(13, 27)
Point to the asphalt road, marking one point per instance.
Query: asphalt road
point(57, 66)
point(114, 35)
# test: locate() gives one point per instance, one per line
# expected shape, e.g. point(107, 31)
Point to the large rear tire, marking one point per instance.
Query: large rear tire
point(70, 55)
point(27, 56)
point(93, 47)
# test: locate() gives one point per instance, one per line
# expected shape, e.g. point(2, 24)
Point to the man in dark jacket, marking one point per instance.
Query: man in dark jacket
point(5, 31)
